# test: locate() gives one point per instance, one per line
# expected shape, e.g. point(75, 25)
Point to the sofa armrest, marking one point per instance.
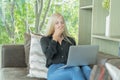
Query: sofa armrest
point(13, 56)
point(102, 58)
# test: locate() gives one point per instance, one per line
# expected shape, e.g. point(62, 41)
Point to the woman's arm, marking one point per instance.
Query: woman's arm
point(48, 47)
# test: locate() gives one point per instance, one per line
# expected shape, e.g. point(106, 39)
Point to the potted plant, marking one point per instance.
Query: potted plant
point(106, 5)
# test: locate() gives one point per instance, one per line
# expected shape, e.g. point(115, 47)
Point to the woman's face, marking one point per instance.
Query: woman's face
point(59, 23)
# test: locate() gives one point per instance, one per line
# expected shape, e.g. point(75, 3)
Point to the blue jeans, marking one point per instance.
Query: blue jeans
point(69, 73)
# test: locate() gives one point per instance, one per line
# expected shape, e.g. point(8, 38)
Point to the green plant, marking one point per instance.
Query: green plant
point(106, 4)
point(24, 18)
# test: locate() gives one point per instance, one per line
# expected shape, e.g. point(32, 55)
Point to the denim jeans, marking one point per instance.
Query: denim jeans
point(68, 73)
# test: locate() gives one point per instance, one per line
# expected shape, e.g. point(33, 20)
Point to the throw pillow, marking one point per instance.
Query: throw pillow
point(37, 59)
point(113, 71)
point(99, 72)
point(27, 42)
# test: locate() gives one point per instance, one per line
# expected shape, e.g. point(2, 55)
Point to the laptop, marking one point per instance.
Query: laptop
point(82, 55)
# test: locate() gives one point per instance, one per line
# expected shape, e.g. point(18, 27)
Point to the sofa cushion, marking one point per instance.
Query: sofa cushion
point(15, 74)
point(37, 59)
point(13, 56)
point(102, 57)
point(113, 71)
point(99, 71)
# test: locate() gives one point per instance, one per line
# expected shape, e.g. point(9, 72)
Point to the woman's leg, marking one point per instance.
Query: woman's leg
point(70, 73)
point(86, 71)
point(77, 74)
point(54, 73)
point(60, 75)
point(53, 68)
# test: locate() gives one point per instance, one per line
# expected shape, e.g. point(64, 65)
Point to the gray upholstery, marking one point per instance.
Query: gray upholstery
point(13, 56)
point(15, 74)
point(13, 63)
point(102, 57)
point(14, 67)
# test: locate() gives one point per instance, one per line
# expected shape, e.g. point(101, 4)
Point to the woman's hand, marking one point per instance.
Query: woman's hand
point(58, 33)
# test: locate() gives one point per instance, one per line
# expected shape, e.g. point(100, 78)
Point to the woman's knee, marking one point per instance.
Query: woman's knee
point(78, 74)
point(76, 69)
point(60, 76)
point(86, 71)
point(86, 68)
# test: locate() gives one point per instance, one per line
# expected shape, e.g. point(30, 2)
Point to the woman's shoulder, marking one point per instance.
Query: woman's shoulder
point(44, 38)
point(72, 40)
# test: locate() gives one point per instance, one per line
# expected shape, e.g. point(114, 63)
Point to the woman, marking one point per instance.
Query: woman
point(55, 46)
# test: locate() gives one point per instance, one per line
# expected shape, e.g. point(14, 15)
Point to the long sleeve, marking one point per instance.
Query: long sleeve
point(48, 47)
point(54, 52)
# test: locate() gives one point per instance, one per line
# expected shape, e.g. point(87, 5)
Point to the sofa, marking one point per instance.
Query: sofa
point(13, 63)
point(15, 68)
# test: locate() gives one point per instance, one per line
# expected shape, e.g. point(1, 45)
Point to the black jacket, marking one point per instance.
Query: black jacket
point(54, 52)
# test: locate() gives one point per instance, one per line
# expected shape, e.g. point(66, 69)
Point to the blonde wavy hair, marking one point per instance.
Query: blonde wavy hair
point(51, 24)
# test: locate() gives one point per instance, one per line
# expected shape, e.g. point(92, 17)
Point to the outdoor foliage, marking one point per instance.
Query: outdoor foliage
point(106, 4)
point(14, 24)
